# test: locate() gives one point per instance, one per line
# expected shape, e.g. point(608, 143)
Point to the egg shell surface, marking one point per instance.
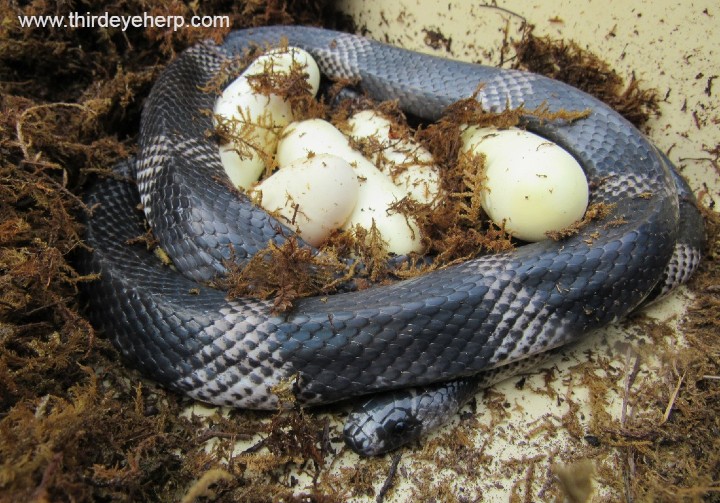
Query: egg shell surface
point(532, 185)
point(408, 164)
point(313, 195)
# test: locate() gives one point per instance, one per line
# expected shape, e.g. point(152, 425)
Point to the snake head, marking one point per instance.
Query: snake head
point(380, 425)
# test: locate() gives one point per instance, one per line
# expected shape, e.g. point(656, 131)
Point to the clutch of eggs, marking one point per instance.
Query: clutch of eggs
point(531, 186)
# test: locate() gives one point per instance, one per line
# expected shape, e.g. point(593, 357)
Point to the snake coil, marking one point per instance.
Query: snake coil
point(447, 325)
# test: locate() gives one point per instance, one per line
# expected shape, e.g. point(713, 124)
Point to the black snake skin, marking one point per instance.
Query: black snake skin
point(449, 324)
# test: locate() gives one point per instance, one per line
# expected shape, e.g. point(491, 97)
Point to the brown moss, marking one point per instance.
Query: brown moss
point(369, 248)
point(597, 211)
point(284, 273)
point(568, 62)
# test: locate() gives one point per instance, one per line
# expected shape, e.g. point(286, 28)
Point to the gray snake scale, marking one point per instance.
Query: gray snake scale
point(452, 323)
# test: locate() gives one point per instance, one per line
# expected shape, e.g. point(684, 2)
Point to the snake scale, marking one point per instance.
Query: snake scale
point(444, 326)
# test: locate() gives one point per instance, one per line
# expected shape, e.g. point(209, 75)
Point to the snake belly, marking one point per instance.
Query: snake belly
point(448, 324)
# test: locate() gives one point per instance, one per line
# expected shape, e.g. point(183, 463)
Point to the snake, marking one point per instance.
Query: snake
point(419, 336)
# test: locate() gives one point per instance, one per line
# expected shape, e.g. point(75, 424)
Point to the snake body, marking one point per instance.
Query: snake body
point(449, 324)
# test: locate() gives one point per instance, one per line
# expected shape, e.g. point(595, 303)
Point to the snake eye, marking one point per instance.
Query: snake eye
point(399, 428)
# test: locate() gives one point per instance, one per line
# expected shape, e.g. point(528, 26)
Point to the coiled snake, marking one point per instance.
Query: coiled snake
point(449, 324)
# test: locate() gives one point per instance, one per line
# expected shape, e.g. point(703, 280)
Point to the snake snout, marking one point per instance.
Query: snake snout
point(369, 434)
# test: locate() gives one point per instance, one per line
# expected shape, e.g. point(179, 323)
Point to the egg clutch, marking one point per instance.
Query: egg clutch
point(318, 181)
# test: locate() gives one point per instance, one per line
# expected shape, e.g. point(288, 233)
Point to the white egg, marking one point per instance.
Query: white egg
point(311, 195)
point(314, 136)
point(377, 193)
point(282, 61)
point(258, 118)
point(531, 185)
point(408, 164)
